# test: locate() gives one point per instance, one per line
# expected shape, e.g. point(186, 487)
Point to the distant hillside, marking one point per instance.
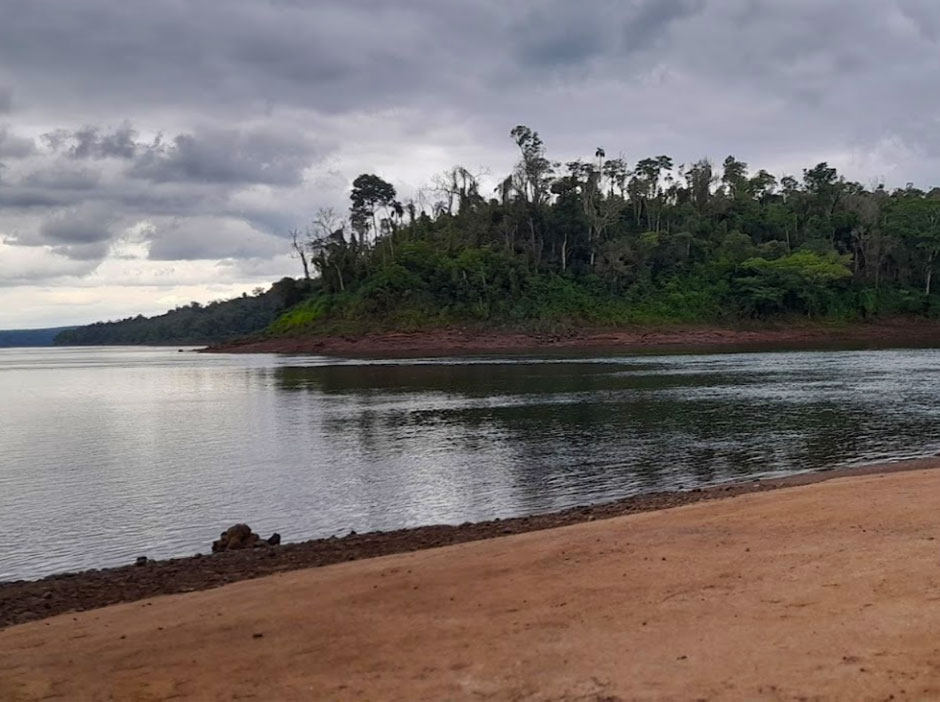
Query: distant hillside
point(194, 323)
point(29, 337)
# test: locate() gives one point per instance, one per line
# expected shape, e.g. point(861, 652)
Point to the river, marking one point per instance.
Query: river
point(107, 454)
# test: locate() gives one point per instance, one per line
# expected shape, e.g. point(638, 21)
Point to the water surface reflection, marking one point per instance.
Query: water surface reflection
point(106, 454)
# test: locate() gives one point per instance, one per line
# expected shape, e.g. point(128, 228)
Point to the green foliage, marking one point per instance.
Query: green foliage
point(594, 248)
point(594, 242)
point(194, 323)
point(801, 282)
point(302, 315)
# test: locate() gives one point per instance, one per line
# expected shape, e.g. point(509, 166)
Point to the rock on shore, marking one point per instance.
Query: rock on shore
point(241, 536)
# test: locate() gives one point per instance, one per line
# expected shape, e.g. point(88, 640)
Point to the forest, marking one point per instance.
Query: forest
point(587, 243)
point(194, 323)
point(601, 241)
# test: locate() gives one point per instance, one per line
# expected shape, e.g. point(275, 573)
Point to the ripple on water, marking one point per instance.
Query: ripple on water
point(111, 453)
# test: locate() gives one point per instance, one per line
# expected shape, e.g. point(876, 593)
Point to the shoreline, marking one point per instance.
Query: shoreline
point(25, 601)
point(821, 591)
point(451, 341)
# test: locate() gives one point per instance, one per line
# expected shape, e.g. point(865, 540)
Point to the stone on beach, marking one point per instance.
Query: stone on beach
point(239, 536)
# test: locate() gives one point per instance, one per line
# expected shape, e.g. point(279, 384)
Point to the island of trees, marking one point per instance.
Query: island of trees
point(603, 242)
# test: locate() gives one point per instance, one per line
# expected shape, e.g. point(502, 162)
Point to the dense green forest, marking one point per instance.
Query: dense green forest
point(593, 242)
point(604, 242)
point(194, 323)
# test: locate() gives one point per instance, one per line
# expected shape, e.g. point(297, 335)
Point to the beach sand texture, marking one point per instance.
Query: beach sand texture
point(829, 591)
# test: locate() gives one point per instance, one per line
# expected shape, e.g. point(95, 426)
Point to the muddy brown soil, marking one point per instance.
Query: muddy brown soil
point(818, 592)
point(640, 339)
point(24, 601)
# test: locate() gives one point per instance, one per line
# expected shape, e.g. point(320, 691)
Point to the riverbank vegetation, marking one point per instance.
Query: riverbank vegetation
point(600, 241)
point(597, 242)
point(194, 323)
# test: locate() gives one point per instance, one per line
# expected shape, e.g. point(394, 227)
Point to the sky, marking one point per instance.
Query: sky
point(155, 153)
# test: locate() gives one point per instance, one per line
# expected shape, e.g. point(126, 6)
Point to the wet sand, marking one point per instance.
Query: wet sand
point(816, 592)
point(438, 342)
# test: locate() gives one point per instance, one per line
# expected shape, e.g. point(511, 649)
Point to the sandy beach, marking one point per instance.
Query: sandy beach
point(815, 592)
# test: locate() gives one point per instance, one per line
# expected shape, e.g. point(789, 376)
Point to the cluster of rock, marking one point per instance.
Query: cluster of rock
point(241, 536)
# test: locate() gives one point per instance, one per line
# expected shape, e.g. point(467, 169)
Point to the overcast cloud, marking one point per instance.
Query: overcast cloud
point(154, 153)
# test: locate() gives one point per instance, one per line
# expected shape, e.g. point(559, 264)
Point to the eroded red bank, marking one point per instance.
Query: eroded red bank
point(453, 341)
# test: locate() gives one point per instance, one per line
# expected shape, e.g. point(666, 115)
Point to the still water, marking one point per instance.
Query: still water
point(111, 453)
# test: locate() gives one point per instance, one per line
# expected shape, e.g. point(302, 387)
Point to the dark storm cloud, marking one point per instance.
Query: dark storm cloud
point(564, 35)
point(94, 142)
point(85, 251)
point(208, 156)
point(331, 56)
point(549, 39)
point(91, 143)
point(6, 99)
point(80, 234)
point(76, 227)
point(227, 156)
point(335, 56)
point(87, 179)
point(215, 53)
point(652, 19)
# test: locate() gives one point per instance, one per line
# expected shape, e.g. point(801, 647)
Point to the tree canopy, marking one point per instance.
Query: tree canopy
point(601, 240)
point(594, 241)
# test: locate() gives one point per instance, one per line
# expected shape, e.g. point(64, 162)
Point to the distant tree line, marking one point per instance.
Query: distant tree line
point(194, 323)
point(601, 240)
point(29, 337)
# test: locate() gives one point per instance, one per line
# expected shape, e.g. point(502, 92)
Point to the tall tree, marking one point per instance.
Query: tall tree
point(700, 178)
point(534, 170)
point(369, 193)
point(299, 250)
point(734, 176)
point(646, 186)
point(533, 179)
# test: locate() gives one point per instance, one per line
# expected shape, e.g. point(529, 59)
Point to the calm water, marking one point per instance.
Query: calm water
point(107, 453)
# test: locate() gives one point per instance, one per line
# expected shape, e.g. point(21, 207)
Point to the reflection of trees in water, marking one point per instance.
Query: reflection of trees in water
point(571, 433)
point(475, 380)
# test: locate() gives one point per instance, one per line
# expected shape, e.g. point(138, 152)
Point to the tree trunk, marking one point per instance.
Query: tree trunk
point(339, 274)
point(537, 243)
point(564, 253)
